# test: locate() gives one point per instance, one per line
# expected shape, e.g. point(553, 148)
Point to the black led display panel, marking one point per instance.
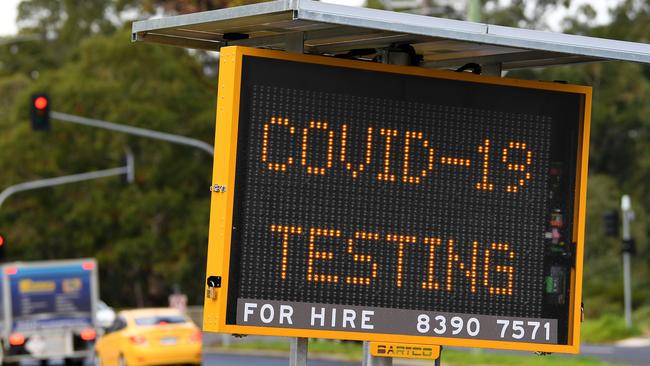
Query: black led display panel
point(376, 190)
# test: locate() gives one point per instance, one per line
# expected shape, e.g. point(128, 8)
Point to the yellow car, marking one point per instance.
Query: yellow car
point(150, 337)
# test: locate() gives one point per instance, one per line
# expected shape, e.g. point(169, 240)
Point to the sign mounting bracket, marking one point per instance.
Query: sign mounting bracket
point(295, 42)
point(492, 69)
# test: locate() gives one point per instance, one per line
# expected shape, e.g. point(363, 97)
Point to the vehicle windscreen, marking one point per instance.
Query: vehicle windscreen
point(159, 320)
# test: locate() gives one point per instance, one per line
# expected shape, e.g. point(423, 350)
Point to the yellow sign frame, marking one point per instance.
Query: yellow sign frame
point(222, 202)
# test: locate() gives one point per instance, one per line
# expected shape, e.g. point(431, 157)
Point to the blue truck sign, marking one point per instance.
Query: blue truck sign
point(48, 310)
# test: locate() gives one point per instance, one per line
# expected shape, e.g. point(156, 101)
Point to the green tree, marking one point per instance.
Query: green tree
point(619, 161)
point(182, 6)
point(66, 20)
point(55, 28)
point(521, 13)
point(146, 236)
point(153, 234)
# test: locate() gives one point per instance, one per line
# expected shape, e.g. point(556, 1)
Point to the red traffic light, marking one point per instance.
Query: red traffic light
point(2, 247)
point(39, 111)
point(40, 103)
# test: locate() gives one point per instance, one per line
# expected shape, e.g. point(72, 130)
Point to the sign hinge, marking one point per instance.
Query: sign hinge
point(214, 282)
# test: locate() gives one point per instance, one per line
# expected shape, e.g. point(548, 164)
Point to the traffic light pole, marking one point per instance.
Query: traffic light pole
point(628, 216)
point(128, 171)
point(142, 132)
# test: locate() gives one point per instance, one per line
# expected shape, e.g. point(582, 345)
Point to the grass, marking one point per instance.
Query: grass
point(641, 317)
point(483, 358)
point(351, 351)
point(607, 328)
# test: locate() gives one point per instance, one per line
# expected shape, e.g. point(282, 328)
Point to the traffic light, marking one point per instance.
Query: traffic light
point(2, 247)
point(629, 246)
point(612, 222)
point(40, 112)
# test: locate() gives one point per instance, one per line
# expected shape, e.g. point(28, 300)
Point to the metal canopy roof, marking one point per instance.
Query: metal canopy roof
point(329, 29)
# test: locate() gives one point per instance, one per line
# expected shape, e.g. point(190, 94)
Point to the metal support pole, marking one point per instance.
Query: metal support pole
point(142, 132)
point(628, 216)
point(295, 42)
point(627, 289)
point(226, 339)
point(50, 182)
point(130, 165)
point(393, 57)
point(366, 353)
point(298, 352)
point(370, 360)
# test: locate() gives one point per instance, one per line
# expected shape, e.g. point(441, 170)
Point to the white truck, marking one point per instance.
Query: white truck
point(47, 311)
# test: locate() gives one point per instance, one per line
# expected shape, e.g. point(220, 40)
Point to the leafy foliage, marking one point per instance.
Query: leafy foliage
point(151, 235)
point(619, 161)
point(521, 13)
point(145, 235)
point(183, 6)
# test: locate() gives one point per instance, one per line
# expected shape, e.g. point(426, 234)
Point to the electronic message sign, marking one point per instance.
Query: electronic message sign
point(356, 200)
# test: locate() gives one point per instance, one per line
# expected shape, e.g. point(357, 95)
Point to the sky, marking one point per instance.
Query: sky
point(8, 12)
point(8, 17)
